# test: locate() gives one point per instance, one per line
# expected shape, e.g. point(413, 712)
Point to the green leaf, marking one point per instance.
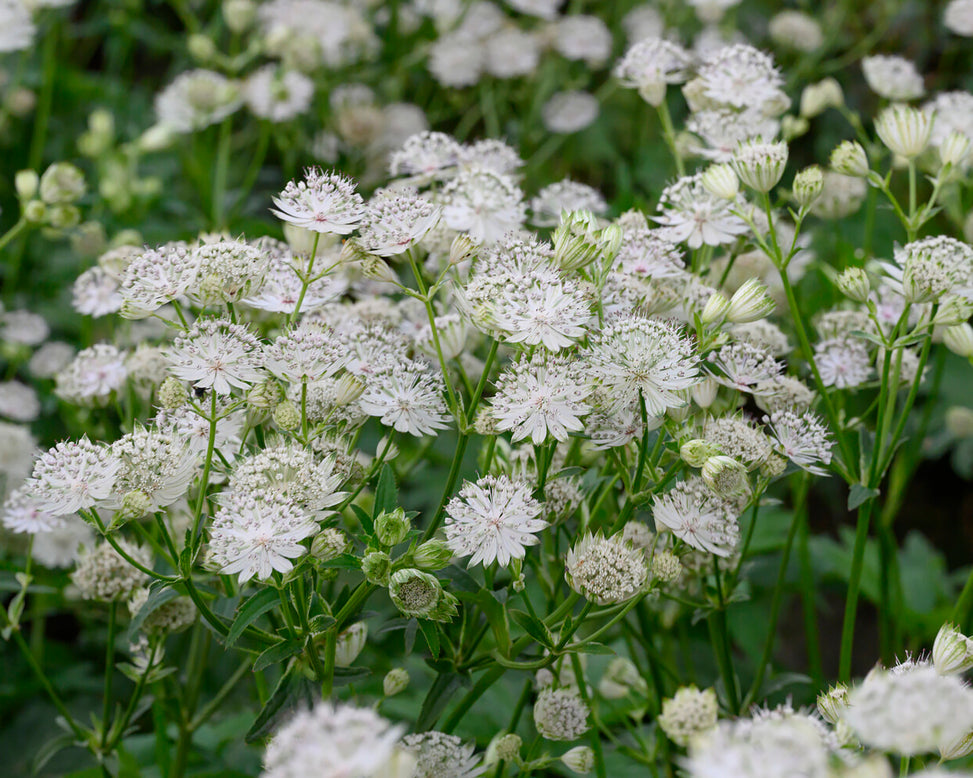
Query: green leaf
point(156, 600)
point(431, 634)
point(437, 698)
point(277, 653)
point(533, 627)
point(343, 562)
point(594, 648)
point(249, 611)
point(386, 493)
point(292, 689)
point(46, 752)
point(860, 494)
point(346, 675)
point(321, 623)
point(364, 518)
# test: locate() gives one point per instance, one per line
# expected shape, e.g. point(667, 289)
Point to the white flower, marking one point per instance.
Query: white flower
point(322, 202)
point(550, 312)
point(565, 195)
point(195, 100)
point(493, 520)
point(337, 740)
point(19, 401)
point(228, 270)
point(409, 398)
point(23, 327)
point(582, 37)
point(395, 219)
point(572, 111)
point(605, 570)
point(958, 17)
point(73, 476)
point(443, 756)
point(287, 472)
point(308, 352)
point(893, 77)
point(159, 465)
point(693, 215)
point(491, 154)
point(560, 714)
point(92, 375)
point(96, 293)
point(456, 60)
point(156, 277)
point(281, 287)
point(512, 52)
point(22, 513)
point(426, 156)
point(61, 547)
point(635, 356)
point(739, 76)
point(843, 362)
point(746, 367)
point(216, 354)
point(278, 95)
point(911, 712)
point(803, 439)
point(484, 204)
point(697, 516)
point(254, 537)
point(17, 29)
point(538, 398)
point(651, 65)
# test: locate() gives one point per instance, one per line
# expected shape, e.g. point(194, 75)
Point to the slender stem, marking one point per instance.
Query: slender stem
point(854, 584)
point(214, 704)
point(669, 134)
point(306, 279)
point(596, 747)
point(45, 100)
point(454, 469)
point(109, 671)
point(204, 481)
point(721, 644)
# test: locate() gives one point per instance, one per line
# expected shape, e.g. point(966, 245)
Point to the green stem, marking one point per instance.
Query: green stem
point(854, 584)
point(720, 637)
point(214, 704)
point(669, 133)
point(595, 736)
point(306, 279)
point(204, 481)
point(109, 671)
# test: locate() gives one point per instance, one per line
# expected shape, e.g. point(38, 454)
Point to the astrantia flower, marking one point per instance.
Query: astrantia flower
point(217, 354)
point(760, 164)
point(493, 520)
point(929, 268)
point(18, 401)
point(909, 713)
point(337, 740)
point(551, 312)
point(651, 65)
point(456, 60)
point(290, 473)
point(893, 77)
point(958, 17)
point(484, 204)
point(646, 253)
point(228, 270)
point(722, 130)
point(73, 476)
point(50, 359)
point(605, 570)
point(688, 713)
point(512, 52)
point(745, 367)
point(322, 202)
point(560, 714)
point(395, 220)
point(92, 376)
point(307, 353)
point(693, 215)
point(104, 574)
point(582, 37)
point(545, 9)
point(156, 277)
point(96, 293)
point(538, 398)
point(843, 362)
point(803, 439)
point(16, 26)
point(185, 422)
point(953, 113)
point(278, 95)
point(426, 156)
point(491, 154)
point(567, 112)
point(197, 99)
point(739, 76)
point(443, 756)
point(281, 287)
point(693, 513)
point(61, 547)
point(159, 466)
point(22, 513)
point(565, 195)
point(739, 438)
point(254, 536)
point(409, 399)
point(635, 356)
point(315, 32)
point(23, 327)
point(904, 130)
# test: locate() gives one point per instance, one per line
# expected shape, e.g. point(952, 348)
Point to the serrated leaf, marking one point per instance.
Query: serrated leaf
point(277, 653)
point(321, 623)
point(250, 611)
point(386, 493)
point(156, 600)
point(431, 635)
point(343, 562)
point(364, 518)
point(533, 627)
point(860, 494)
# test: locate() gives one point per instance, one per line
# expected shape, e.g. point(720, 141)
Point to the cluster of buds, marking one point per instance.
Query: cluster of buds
point(49, 200)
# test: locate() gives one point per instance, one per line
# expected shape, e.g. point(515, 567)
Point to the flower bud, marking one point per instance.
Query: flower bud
point(26, 183)
point(286, 416)
point(697, 451)
point(808, 185)
point(578, 240)
point(349, 644)
point(833, 703)
point(239, 14)
point(264, 396)
point(749, 303)
point(954, 150)
point(666, 567)
point(391, 528)
point(956, 749)
point(850, 159)
point(721, 181)
point(726, 476)
point(621, 677)
point(793, 127)
point(172, 394)
point(461, 249)
point(62, 184)
point(853, 283)
point(201, 48)
point(817, 98)
point(432, 555)
point(396, 680)
point(773, 466)
point(704, 393)
point(135, 505)
point(158, 137)
point(328, 544)
point(21, 101)
point(376, 566)
point(63, 217)
point(420, 594)
point(376, 268)
point(904, 130)
point(504, 747)
point(959, 340)
point(953, 311)
point(579, 759)
point(715, 309)
point(347, 389)
point(952, 651)
point(35, 212)
point(760, 165)
point(959, 421)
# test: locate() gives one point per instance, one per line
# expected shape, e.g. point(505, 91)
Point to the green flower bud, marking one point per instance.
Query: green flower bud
point(376, 566)
point(760, 164)
point(63, 217)
point(808, 184)
point(504, 747)
point(579, 759)
point(391, 528)
point(287, 416)
point(172, 394)
point(578, 240)
point(328, 544)
point(432, 555)
point(264, 396)
point(904, 130)
point(715, 309)
point(35, 212)
point(350, 643)
point(952, 651)
point(62, 184)
point(850, 159)
point(959, 340)
point(726, 476)
point(666, 567)
point(749, 303)
point(420, 594)
point(854, 284)
point(461, 249)
point(396, 680)
point(721, 180)
point(26, 183)
point(832, 703)
point(135, 505)
point(239, 14)
point(201, 48)
point(696, 452)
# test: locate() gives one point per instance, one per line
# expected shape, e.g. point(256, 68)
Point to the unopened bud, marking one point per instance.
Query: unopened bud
point(239, 14)
point(62, 184)
point(952, 651)
point(704, 392)
point(264, 396)
point(35, 212)
point(833, 703)
point(666, 567)
point(350, 643)
point(749, 303)
point(817, 98)
point(808, 185)
point(376, 268)
point(376, 566)
point(135, 505)
point(63, 217)
point(715, 310)
point(505, 747)
point(26, 183)
point(396, 680)
point(725, 476)
point(904, 130)
point(432, 555)
point(461, 249)
point(392, 527)
point(287, 416)
point(721, 180)
point(172, 394)
point(579, 759)
point(201, 48)
point(759, 164)
point(954, 149)
point(420, 594)
point(853, 283)
point(347, 389)
point(328, 544)
point(849, 159)
point(959, 340)
point(696, 452)
point(959, 421)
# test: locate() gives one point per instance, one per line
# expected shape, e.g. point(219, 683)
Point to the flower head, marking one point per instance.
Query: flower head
point(322, 202)
point(605, 570)
point(216, 354)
